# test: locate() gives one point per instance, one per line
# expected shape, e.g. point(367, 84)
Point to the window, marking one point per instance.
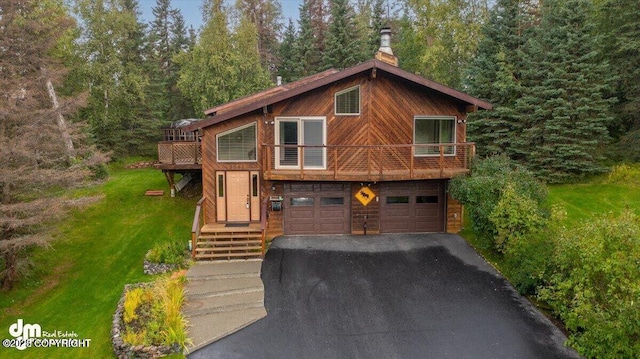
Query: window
point(434, 130)
point(426, 199)
point(347, 102)
point(301, 142)
point(397, 199)
point(238, 145)
point(220, 185)
point(332, 201)
point(302, 201)
point(254, 185)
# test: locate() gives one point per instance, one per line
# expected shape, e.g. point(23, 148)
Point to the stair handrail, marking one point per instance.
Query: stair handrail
point(195, 227)
point(263, 224)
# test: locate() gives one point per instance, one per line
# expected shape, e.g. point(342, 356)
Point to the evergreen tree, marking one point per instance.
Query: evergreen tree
point(342, 47)
point(167, 38)
point(35, 38)
point(289, 68)
point(309, 45)
point(494, 75)
point(619, 24)
point(563, 111)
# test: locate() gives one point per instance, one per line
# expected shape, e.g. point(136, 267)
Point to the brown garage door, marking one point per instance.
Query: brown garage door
point(416, 206)
point(317, 208)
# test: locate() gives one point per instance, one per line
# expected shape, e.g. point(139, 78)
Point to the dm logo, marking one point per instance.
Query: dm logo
point(23, 332)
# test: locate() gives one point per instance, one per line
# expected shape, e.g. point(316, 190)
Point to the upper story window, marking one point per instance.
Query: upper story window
point(301, 142)
point(238, 144)
point(431, 130)
point(347, 102)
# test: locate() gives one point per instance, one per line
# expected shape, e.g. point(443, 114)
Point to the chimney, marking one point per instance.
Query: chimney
point(385, 54)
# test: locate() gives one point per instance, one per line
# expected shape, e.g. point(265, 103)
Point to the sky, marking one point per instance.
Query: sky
point(190, 9)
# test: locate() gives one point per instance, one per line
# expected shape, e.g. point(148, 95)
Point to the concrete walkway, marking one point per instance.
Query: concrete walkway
point(222, 298)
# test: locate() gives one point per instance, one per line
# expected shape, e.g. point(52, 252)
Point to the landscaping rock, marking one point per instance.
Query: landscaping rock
point(158, 268)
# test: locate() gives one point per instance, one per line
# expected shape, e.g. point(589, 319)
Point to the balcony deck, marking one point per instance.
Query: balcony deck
point(179, 155)
point(367, 163)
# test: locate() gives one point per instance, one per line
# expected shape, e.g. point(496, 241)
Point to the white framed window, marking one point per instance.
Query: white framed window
point(292, 133)
point(347, 102)
point(434, 130)
point(238, 145)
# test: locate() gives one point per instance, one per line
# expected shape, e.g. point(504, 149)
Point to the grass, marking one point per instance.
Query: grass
point(75, 285)
point(607, 194)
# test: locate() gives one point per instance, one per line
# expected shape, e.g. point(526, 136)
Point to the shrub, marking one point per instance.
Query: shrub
point(514, 217)
point(624, 175)
point(481, 191)
point(595, 285)
point(174, 252)
point(157, 318)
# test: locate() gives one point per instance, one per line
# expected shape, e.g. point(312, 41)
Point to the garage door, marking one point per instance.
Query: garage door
point(416, 206)
point(317, 208)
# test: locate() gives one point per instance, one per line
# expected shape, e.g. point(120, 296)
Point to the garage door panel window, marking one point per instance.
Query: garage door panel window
point(426, 199)
point(301, 201)
point(397, 199)
point(332, 201)
point(434, 131)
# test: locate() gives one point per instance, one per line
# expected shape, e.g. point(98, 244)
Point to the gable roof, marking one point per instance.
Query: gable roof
point(276, 94)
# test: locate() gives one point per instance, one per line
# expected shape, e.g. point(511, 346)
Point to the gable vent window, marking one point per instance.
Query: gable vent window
point(347, 102)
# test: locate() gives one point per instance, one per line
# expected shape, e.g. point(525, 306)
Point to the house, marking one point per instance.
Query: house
point(369, 149)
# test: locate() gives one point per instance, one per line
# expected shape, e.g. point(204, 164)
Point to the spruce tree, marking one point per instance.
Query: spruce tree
point(563, 110)
point(342, 47)
point(494, 75)
point(308, 46)
point(289, 68)
point(619, 24)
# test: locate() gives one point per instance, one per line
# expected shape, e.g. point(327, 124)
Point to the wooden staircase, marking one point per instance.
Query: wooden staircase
point(219, 242)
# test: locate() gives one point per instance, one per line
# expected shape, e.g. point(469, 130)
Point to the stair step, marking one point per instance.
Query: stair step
point(229, 302)
point(223, 287)
point(219, 249)
point(229, 235)
point(228, 255)
point(228, 243)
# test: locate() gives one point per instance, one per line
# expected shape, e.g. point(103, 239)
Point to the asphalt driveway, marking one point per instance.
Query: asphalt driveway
point(388, 296)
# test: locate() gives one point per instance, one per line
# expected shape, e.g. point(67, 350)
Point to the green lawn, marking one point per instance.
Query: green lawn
point(581, 201)
point(76, 284)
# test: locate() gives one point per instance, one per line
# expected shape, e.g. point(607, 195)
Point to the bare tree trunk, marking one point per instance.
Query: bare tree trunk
point(62, 125)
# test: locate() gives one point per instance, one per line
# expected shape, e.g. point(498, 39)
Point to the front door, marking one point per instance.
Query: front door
point(238, 200)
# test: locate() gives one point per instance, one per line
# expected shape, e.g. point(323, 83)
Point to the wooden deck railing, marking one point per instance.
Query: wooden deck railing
point(176, 153)
point(263, 223)
point(198, 219)
point(366, 163)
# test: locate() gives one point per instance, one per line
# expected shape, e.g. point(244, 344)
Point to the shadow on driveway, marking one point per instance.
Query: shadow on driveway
point(388, 296)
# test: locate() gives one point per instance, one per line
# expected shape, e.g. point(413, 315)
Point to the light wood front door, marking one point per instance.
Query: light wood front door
point(238, 200)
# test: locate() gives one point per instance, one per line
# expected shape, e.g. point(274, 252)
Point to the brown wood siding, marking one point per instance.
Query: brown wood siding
point(210, 162)
point(394, 104)
point(359, 211)
point(455, 212)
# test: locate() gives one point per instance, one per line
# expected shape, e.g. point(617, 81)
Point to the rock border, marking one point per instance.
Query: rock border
point(124, 350)
point(151, 268)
